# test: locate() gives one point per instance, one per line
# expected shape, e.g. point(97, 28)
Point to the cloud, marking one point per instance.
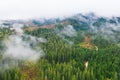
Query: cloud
point(68, 31)
point(22, 9)
point(20, 50)
point(107, 30)
point(21, 47)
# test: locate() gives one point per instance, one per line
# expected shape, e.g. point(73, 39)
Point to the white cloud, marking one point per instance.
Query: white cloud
point(21, 9)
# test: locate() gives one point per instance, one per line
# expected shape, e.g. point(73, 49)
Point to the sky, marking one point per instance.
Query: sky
point(25, 9)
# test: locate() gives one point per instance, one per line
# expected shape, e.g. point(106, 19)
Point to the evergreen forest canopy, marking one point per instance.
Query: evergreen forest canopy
point(82, 47)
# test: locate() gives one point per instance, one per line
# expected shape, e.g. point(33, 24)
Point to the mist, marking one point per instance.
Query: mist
point(18, 49)
point(67, 31)
point(107, 30)
point(21, 47)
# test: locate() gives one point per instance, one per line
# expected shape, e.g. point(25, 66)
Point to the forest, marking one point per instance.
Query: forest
point(80, 55)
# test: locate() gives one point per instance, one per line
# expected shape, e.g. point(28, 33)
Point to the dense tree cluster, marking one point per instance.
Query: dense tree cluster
point(64, 61)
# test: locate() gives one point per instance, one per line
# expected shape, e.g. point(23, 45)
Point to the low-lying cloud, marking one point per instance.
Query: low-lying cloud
point(18, 49)
point(21, 47)
point(67, 31)
point(108, 31)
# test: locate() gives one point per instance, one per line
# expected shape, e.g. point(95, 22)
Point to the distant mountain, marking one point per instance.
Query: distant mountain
point(88, 22)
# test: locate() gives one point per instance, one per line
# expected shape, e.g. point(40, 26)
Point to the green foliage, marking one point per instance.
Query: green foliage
point(4, 32)
point(63, 61)
point(99, 22)
point(79, 25)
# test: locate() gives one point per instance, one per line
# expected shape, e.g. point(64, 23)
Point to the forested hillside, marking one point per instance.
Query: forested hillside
point(81, 49)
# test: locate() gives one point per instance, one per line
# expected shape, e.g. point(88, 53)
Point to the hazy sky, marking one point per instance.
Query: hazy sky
point(22, 9)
